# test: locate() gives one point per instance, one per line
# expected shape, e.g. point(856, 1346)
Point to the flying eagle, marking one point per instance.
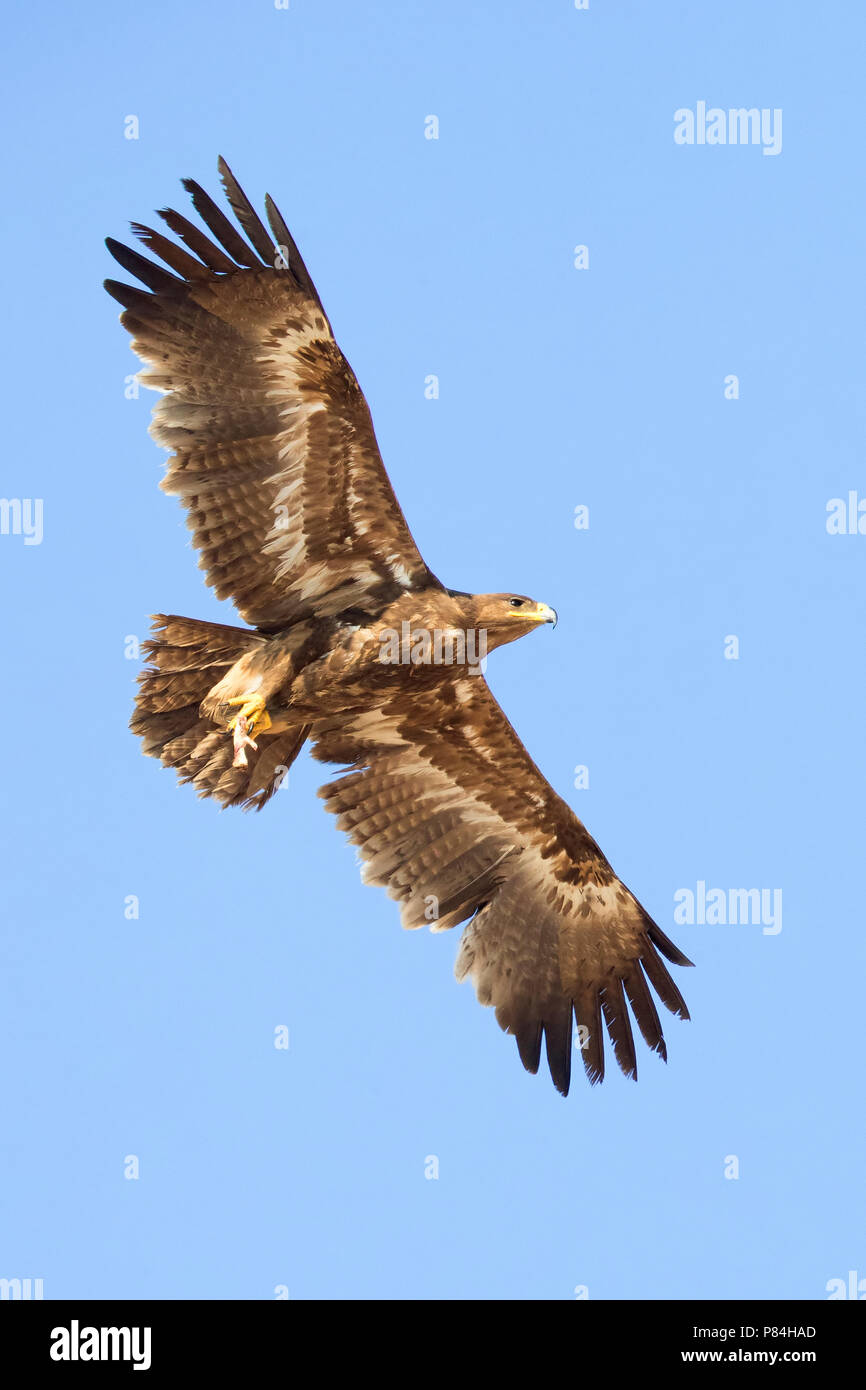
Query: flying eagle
point(354, 645)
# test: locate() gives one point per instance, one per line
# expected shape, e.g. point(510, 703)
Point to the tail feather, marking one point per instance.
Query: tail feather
point(187, 659)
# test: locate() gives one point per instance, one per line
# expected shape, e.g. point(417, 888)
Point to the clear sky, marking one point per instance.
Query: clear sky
point(735, 1170)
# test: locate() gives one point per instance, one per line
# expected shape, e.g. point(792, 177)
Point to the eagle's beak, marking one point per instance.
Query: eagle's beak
point(545, 614)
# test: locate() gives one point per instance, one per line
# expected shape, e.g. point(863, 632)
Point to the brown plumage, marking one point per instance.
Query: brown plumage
point(355, 645)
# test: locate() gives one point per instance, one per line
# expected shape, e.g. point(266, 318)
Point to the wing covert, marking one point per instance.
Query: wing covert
point(274, 455)
point(454, 819)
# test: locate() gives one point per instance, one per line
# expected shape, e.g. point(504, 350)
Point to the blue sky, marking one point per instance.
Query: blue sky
point(602, 387)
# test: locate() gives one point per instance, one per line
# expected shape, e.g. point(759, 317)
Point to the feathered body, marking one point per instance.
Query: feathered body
point(275, 460)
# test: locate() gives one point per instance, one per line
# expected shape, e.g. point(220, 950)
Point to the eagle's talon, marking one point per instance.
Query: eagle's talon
point(254, 710)
point(252, 717)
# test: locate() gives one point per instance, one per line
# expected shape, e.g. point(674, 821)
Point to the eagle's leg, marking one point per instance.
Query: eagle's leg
point(252, 717)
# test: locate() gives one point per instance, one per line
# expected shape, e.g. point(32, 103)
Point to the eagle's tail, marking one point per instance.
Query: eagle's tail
point(187, 658)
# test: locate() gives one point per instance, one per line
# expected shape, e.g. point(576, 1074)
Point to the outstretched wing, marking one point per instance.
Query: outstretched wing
point(453, 817)
point(274, 454)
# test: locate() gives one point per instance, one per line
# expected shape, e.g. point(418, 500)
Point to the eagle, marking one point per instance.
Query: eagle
point(353, 645)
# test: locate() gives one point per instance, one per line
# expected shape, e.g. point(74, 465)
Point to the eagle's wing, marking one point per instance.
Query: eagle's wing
point(453, 817)
point(274, 454)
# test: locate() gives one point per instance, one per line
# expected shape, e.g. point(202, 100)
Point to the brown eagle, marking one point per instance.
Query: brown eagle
point(353, 644)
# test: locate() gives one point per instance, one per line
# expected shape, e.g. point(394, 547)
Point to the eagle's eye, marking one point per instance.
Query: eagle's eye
point(516, 602)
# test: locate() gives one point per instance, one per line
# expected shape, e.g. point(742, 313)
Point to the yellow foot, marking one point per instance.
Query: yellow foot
point(254, 710)
point(252, 717)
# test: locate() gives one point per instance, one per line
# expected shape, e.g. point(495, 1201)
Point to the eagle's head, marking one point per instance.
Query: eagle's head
point(505, 617)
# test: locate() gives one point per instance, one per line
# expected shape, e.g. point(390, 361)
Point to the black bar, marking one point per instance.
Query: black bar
point(222, 1337)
